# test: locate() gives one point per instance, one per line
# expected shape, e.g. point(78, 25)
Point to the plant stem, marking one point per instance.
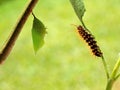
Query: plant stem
point(109, 84)
point(84, 25)
point(9, 45)
point(113, 77)
point(105, 67)
point(117, 76)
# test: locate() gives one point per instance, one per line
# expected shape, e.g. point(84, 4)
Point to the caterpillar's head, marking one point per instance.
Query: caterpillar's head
point(80, 27)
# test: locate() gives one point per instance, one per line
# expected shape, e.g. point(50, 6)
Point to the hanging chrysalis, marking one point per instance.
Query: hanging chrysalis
point(38, 33)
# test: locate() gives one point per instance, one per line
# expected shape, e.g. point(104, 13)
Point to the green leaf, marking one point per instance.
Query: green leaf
point(38, 33)
point(79, 8)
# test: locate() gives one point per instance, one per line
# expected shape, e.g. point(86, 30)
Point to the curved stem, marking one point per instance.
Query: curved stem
point(117, 76)
point(84, 25)
point(113, 76)
point(105, 67)
point(9, 45)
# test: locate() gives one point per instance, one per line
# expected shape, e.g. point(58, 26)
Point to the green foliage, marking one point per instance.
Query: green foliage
point(38, 33)
point(64, 61)
point(79, 8)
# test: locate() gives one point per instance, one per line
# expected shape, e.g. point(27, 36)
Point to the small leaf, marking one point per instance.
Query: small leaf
point(38, 33)
point(79, 8)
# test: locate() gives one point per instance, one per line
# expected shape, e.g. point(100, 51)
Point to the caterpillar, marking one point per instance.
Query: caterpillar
point(90, 40)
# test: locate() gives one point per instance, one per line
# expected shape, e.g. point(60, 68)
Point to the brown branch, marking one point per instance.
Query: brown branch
point(9, 45)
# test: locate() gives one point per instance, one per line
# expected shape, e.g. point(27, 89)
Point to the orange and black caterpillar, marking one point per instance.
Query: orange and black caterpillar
point(90, 40)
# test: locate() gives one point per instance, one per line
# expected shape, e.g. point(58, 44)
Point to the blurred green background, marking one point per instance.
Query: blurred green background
point(64, 62)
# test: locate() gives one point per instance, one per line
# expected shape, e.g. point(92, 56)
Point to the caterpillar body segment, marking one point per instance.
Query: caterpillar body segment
point(90, 40)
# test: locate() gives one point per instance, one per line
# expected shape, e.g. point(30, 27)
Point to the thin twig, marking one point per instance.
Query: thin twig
point(9, 45)
point(105, 67)
point(85, 26)
point(117, 76)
